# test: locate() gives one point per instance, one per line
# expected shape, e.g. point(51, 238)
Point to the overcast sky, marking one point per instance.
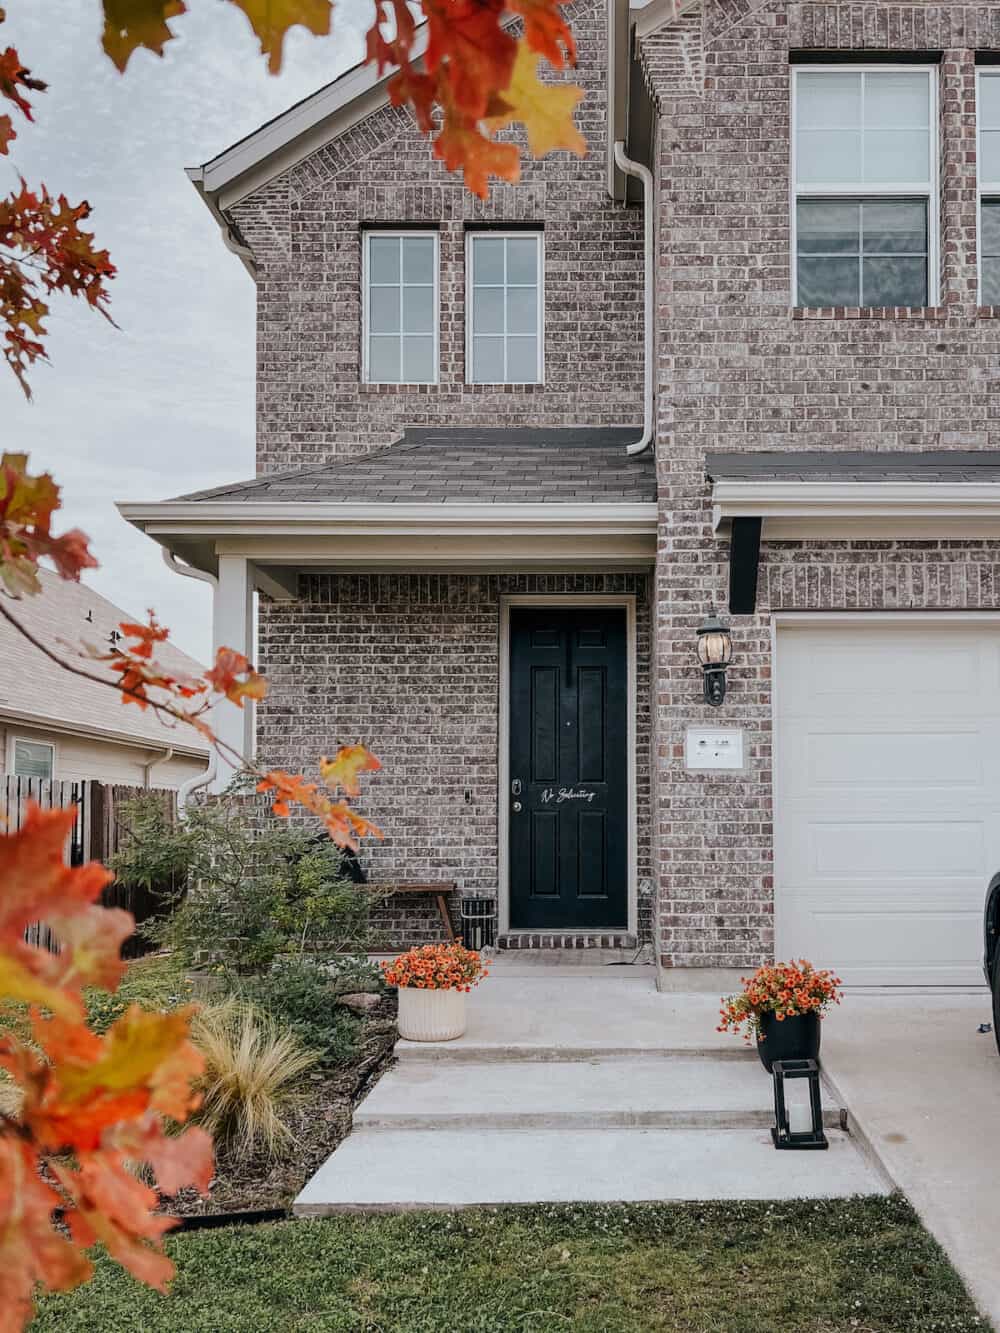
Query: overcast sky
point(165, 403)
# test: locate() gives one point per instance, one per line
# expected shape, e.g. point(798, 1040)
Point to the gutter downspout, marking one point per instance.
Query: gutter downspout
point(193, 784)
point(161, 758)
point(643, 174)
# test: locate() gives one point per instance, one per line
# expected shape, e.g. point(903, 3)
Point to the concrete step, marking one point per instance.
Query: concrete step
point(652, 1092)
point(395, 1170)
point(466, 1051)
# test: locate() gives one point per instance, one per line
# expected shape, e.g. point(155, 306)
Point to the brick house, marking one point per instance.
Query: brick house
point(784, 281)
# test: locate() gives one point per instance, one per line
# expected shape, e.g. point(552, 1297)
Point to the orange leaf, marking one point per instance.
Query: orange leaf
point(462, 144)
point(178, 1160)
point(26, 507)
point(224, 677)
point(546, 31)
point(341, 772)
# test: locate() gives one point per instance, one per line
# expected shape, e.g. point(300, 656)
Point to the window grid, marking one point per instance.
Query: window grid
point(988, 123)
point(872, 191)
point(862, 254)
point(504, 286)
point(402, 286)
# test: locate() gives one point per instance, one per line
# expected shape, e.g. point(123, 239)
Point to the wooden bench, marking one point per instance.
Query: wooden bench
point(438, 891)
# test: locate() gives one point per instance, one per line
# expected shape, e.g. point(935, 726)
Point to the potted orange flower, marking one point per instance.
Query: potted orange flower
point(781, 1006)
point(433, 981)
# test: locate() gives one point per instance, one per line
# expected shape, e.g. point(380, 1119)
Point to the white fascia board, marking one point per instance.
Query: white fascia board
point(273, 518)
point(297, 132)
point(656, 13)
point(68, 727)
point(850, 501)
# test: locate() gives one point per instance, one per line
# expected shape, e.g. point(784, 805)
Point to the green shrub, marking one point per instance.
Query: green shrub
point(299, 995)
point(157, 983)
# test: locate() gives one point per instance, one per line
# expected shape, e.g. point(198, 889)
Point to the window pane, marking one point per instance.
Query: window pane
point(828, 99)
point(989, 156)
point(32, 760)
point(895, 282)
point(894, 226)
point(487, 310)
point(829, 156)
point(418, 259)
point(522, 309)
point(487, 360)
point(383, 309)
point(383, 259)
point(989, 101)
point(828, 226)
point(522, 259)
point(991, 282)
point(487, 259)
point(897, 98)
point(383, 360)
point(991, 227)
point(418, 310)
point(418, 360)
point(828, 282)
point(522, 360)
point(897, 156)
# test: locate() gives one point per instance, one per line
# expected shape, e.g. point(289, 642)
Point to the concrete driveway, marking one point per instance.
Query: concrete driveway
point(923, 1087)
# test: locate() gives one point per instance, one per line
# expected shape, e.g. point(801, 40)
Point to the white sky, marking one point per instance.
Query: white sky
point(165, 403)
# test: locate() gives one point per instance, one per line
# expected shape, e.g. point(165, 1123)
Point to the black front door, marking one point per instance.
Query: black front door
point(568, 797)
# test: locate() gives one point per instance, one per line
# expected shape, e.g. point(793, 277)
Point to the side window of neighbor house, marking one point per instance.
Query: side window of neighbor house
point(988, 117)
point(400, 307)
point(864, 186)
point(505, 304)
point(33, 759)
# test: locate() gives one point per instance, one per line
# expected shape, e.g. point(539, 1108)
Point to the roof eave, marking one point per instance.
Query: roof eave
point(67, 726)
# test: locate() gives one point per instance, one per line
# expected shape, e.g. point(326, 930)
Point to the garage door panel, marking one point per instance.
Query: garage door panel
point(887, 797)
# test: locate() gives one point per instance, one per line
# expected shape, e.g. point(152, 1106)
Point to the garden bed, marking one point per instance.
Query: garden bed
point(319, 1118)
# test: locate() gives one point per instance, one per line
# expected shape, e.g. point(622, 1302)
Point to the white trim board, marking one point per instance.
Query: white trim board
point(626, 601)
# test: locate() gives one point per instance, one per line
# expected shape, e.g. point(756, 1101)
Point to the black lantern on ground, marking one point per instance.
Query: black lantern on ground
point(715, 652)
point(797, 1127)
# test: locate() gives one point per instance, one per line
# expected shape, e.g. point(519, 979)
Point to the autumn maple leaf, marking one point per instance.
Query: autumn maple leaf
point(26, 507)
point(545, 109)
point(234, 677)
point(341, 772)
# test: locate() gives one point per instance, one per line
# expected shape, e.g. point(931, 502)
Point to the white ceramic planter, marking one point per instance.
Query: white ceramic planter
point(431, 1015)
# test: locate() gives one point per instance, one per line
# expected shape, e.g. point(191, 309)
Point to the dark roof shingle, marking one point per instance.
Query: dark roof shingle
point(567, 465)
point(930, 465)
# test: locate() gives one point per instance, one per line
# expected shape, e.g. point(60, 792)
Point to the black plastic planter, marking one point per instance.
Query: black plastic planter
point(794, 1038)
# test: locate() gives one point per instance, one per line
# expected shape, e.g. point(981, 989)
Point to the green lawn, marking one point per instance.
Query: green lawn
point(861, 1266)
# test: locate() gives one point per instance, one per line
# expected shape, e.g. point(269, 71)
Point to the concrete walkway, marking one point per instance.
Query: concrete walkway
point(923, 1087)
point(572, 1085)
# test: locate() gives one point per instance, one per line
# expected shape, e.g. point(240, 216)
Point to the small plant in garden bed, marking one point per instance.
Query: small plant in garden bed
point(785, 990)
point(437, 967)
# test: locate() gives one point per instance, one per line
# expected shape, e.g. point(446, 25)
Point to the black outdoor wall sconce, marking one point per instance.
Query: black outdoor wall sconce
point(715, 652)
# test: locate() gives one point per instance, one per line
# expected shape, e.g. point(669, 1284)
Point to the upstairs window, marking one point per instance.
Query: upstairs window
point(864, 186)
point(400, 307)
point(32, 759)
point(505, 304)
point(988, 117)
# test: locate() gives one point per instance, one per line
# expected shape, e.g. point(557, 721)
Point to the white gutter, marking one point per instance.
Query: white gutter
point(152, 763)
point(643, 173)
point(218, 518)
point(199, 780)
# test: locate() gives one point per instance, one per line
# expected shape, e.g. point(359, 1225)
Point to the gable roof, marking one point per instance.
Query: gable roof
point(459, 465)
point(33, 689)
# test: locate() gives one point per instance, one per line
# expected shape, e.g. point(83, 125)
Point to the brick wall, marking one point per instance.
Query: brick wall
point(410, 665)
point(305, 230)
point(739, 369)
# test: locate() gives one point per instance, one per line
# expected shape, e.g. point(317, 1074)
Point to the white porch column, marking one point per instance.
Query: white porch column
point(232, 627)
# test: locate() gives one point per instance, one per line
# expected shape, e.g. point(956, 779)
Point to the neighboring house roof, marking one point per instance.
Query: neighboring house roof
point(927, 466)
point(458, 465)
point(36, 691)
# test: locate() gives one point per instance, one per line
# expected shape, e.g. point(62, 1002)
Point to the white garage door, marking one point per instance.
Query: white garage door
point(887, 796)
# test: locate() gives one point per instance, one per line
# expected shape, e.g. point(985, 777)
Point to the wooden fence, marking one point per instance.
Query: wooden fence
point(95, 836)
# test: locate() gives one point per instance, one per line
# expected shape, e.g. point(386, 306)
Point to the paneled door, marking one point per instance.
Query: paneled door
point(568, 783)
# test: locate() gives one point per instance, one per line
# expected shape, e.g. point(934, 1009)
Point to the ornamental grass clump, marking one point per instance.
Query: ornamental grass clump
point(782, 989)
point(437, 967)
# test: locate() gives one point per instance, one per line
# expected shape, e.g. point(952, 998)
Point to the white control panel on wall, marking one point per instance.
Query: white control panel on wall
point(713, 747)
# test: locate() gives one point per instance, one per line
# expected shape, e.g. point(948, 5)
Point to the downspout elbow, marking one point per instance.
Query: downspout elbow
point(642, 173)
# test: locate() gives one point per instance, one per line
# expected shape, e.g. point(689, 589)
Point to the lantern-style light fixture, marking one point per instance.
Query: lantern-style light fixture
point(715, 652)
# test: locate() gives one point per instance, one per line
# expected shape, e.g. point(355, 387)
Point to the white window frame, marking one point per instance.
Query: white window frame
point(13, 737)
point(387, 233)
point(471, 235)
point(989, 189)
point(872, 190)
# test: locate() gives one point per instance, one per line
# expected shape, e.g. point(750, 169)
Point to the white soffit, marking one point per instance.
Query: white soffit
point(795, 509)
